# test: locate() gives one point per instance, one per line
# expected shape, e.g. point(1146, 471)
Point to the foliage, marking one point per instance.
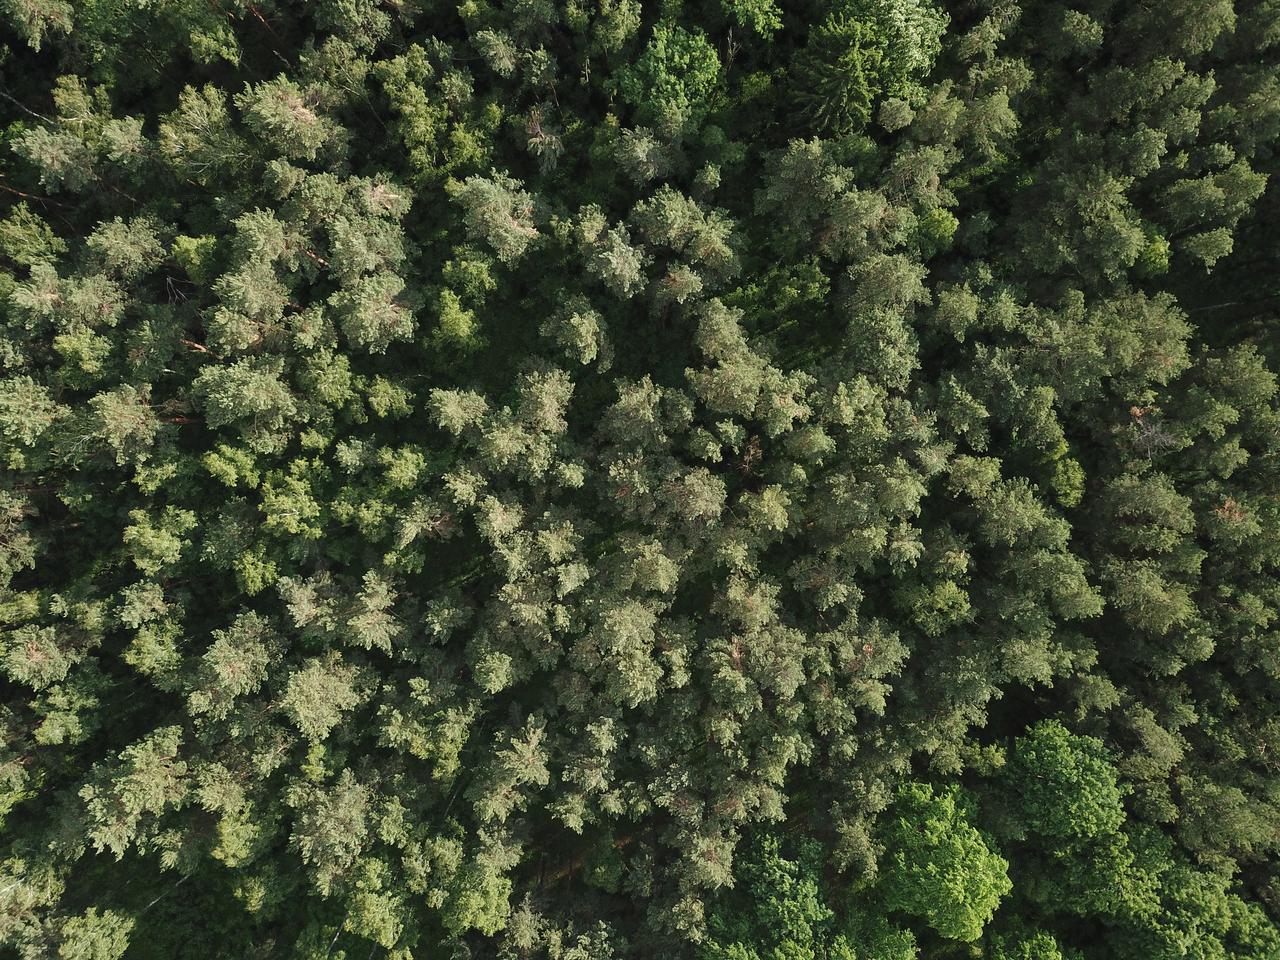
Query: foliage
point(671, 82)
point(583, 480)
point(938, 867)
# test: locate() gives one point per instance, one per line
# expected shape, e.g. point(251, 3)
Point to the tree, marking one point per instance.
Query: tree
point(95, 936)
point(370, 314)
point(938, 867)
point(670, 85)
point(317, 695)
point(1066, 787)
point(250, 395)
point(33, 18)
point(498, 212)
point(125, 798)
point(839, 77)
point(285, 118)
point(780, 910)
point(331, 827)
point(860, 53)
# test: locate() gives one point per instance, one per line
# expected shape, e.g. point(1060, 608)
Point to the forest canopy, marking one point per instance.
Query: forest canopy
point(594, 480)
